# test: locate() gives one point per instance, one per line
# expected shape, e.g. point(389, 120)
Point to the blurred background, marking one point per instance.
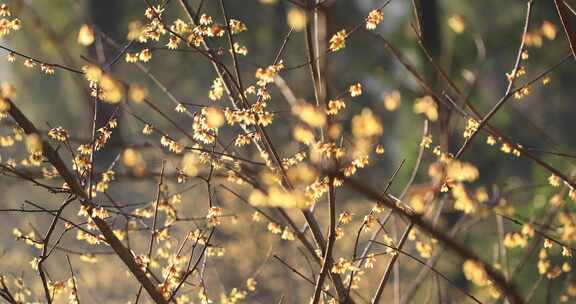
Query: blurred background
point(476, 42)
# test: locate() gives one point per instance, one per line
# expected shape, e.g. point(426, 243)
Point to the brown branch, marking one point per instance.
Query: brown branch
point(508, 289)
point(54, 158)
point(491, 130)
point(570, 35)
point(327, 257)
point(74, 286)
point(266, 147)
point(510, 86)
point(431, 268)
point(154, 223)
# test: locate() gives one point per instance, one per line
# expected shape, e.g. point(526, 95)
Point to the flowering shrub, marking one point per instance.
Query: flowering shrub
point(245, 201)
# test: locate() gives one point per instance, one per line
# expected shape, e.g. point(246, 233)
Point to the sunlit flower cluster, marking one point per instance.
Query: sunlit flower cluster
point(272, 153)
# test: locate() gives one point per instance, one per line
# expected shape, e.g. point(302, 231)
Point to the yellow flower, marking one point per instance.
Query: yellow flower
point(251, 284)
point(566, 251)
point(506, 148)
point(512, 240)
point(374, 18)
point(457, 24)
point(173, 42)
point(33, 143)
point(338, 41)
point(240, 49)
point(427, 106)
point(131, 157)
point(366, 125)
point(278, 198)
point(92, 73)
point(8, 90)
point(302, 174)
point(58, 133)
point(475, 272)
point(85, 35)
point(145, 55)
point(112, 90)
point(462, 200)
point(334, 106)
point(189, 164)
point(237, 26)
point(217, 90)
point(11, 57)
point(345, 218)
point(5, 11)
point(548, 30)
point(214, 117)
point(4, 105)
point(533, 39)
point(137, 92)
point(528, 230)
point(154, 12)
point(29, 63)
point(180, 108)
point(47, 69)
point(392, 100)
point(490, 140)
point(297, 19)
point(135, 30)
point(310, 114)
point(426, 141)
point(342, 266)
point(7, 25)
point(303, 135)
point(131, 57)
point(554, 180)
point(266, 75)
point(355, 90)
point(472, 126)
